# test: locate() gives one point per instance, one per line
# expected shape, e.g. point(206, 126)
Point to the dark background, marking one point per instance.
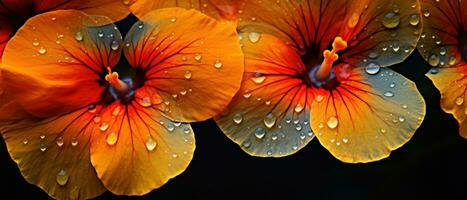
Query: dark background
point(432, 164)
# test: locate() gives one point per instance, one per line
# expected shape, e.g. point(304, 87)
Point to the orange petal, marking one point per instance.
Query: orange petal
point(56, 58)
point(367, 116)
point(270, 114)
point(191, 61)
point(452, 83)
point(219, 9)
point(443, 38)
point(115, 10)
point(311, 25)
point(136, 149)
point(53, 154)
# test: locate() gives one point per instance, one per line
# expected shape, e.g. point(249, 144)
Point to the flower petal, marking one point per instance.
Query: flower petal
point(136, 149)
point(191, 61)
point(218, 9)
point(444, 38)
point(53, 154)
point(367, 116)
point(452, 83)
point(62, 55)
point(270, 114)
point(115, 10)
point(377, 30)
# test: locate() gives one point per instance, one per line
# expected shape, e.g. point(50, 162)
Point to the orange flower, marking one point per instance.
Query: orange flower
point(444, 45)
point(95, 123)
point(358, 109)
point(13, 13)
point(219, 9)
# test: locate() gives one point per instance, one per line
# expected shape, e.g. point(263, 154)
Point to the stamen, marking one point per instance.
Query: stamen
point(119, 86)
point(329, 58)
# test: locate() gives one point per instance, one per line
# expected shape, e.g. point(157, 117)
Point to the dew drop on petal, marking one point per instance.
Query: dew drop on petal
point(391, 20)
point(298, 108)
point(237, 118)
point(62, 177)
point(112, 138)
point(269, 120)
point(25, 141)
point(198, 57)
point(78, 36)
point(115, 45)
point(145, 102)
point(74, 142)
point(433, 60)
point(104, 126)
point(188, 74)
point(459, 101)
point(319, 98)
point(372, 68)
point(414, 20)
point(60, 141)
point(150, 144)
point(43, 147)
point(254, 37)
point(42, 50)
point(218, 64)
point(388, 94)
point(258, 78)
point(260, 132)
point(332, 122)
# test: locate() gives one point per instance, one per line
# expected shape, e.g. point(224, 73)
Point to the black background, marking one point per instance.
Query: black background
point(432, 164)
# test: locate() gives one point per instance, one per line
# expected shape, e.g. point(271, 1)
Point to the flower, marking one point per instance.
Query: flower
point(318, 68)
point(218, 9)
point(15, 13)
point(89, 123)
point(443, 45)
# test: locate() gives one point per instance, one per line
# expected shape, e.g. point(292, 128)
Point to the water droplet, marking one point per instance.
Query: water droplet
point(60, 141)
point(345, 140)
point(404, 106)
point(186, 130)
point(246, 144)
point(452, 60)
point(126, 2)
point(391, 20)
point(433, 60)
point(146, 101)
point(43, 147)
point(112, 138)
point(104, 126)
point(254, 37)
point(373, 55)
point(42, 50)
point(173, 19)
point(115, 45)
point(332, 122)
point(258, 78)
point(298, 127)
point(401, 119)
point(62, 177)
point(260, 132)
point(298, 108)
point(388, 94)
point(382, 130)
point(434, 70)
point(414, 20)
point(274, 137)
point(35, 43)
point(78, 36)
point(100, 34)
point(319, 98)
point(426, 12)
point(238, 118)
point(198, 57)
point(150, 144)
point(459, 101)
point(392, 85)
point(372, 68)
point(188, 74)
point(218, 64)
point(353, 20)
point(42, 137)
point(269, 120)
point(74, 142)
point(25, 141)
point(140, 25)
point(174, 155)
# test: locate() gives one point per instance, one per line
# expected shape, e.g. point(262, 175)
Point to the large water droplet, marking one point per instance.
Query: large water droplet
point(298, 108)
point(146, 101)
point(188, 74)
point(270, 120)
point(258, 78)
point(170, 127)
point(150, 144)
point(260, 132)
point(115, 45)
point(433, 60)
point(254, 37)
point(372, 68)
point(426, 12)
point(62, 177)
point(391, 20)
point(112, 138)
point(104, 126)
point(332, 122)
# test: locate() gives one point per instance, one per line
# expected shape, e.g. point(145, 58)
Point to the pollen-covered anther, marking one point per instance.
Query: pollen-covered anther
point(329, 58)
point(113, 78)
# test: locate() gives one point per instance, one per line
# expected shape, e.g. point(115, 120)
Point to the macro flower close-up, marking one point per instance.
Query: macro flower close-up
point(233, 99)
point(324, 64)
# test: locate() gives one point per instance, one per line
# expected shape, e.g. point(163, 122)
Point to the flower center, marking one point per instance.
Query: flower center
point(322, 74)
point(119, 88)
